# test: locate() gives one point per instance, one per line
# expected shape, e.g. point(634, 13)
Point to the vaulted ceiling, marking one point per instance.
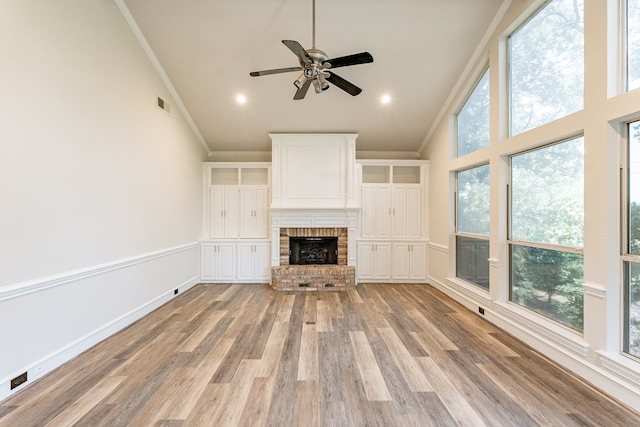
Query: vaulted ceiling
point(208, 47)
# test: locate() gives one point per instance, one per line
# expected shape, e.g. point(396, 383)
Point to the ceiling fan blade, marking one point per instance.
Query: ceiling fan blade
point(300, 93)
point(344, 61)
point(296, 48)
point(274, 71)
point(343, 84)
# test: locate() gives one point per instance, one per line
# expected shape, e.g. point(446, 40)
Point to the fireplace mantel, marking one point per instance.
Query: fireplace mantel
point(314, 218)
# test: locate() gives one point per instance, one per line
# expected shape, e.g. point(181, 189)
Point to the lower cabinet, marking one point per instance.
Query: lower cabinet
point(374, 261)
point(235, 261)
point(254, 263)
point(218, 262)
point(385, 261)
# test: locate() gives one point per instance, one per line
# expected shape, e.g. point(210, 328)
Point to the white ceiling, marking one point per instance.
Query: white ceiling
point(208, 47)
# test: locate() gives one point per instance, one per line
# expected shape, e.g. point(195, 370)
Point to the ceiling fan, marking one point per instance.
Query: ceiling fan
point(315, 66)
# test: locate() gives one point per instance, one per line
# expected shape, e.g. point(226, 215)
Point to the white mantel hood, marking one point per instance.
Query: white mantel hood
point(313, 185)
point(313, 171)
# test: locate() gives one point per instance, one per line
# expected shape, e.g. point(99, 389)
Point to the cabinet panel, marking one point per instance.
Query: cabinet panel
point(383, 211)
point(374, 261)
point(218, 262)
point(401, 261)
point(414, 212)
point(223, 212)
point(262, 262)
point(399, 211)
point(253, 212)
point(245, 261)
point(368, 213)
point(254, 263)
point(418, 256)
point(227, 266)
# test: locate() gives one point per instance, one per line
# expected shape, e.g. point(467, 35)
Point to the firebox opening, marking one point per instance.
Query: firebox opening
point(313, 250)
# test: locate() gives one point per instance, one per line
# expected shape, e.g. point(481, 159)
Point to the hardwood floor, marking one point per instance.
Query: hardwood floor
point(382, 355)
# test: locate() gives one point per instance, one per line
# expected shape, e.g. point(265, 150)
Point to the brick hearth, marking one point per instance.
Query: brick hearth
point(340, 277)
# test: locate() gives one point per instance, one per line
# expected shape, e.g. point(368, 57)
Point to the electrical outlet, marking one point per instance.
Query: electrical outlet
point(20, 379)
point(481, 310)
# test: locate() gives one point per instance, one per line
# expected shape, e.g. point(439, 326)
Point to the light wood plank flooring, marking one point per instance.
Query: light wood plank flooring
point(382, 355)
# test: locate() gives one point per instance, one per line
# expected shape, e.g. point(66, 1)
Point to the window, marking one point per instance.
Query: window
point(547, 66)
point(472, 226)
point(631, 252)
point(546, 231)
point(633, 44)
point(473, 119)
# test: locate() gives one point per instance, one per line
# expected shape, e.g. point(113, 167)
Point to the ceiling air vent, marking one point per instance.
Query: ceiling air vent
point(163, 105)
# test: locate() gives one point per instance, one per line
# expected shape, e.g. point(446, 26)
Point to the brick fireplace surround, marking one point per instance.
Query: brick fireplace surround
point(340, 277)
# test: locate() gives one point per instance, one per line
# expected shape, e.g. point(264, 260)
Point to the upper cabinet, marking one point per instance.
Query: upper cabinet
point(237, 197)
point(393, 199)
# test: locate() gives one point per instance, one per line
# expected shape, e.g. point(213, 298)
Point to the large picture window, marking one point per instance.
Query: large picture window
point(472, 121)
point(546, 231)
point(633, 44)
point(631, 252)
point(547, 65)
point(472, 226)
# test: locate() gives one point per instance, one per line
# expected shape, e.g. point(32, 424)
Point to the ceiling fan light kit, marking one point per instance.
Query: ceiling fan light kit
point(315, 64)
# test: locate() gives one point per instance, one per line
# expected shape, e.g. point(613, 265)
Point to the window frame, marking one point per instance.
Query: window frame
point(485, 70)
point(511, 242)
point(509, 74)
point(626, 258)
point(467, 235)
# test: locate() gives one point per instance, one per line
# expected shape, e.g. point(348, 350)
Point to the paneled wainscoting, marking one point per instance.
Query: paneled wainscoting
point(380, 355)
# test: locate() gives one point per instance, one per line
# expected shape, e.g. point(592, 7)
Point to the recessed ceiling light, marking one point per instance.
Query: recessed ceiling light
point(241, 99)
point(385, 99)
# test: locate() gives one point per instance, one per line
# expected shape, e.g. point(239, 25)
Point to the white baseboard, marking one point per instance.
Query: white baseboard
point(611, 373)
point(36, 369)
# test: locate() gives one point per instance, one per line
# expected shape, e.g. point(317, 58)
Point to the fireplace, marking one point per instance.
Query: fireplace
point(313, 250)
point(313, 259)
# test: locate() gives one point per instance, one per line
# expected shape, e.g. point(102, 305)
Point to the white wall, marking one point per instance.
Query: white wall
point(594, 355)
point(100, 190)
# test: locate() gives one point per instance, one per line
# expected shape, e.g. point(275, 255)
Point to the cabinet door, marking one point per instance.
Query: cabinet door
point(207, 259)
point(226, 262)
point(216, 213)
point(399, 211)
point(261, 229)
point(383, 211)
point(253, 212)
point(365, 261)
point(382, 260)
point(414, 212)
point(418, 254)
point(368, 214)
point(262, 262)
point(401, 261)
point(231, 212)
point(245, 261)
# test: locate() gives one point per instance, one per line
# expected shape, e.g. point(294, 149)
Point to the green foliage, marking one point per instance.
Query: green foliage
point(547, 65)
point(547, 195)
point(473, 119)
point(550, 283)
point(473, 201)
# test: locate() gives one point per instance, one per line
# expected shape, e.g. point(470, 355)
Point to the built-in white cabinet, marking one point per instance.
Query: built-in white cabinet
point(392, 242)
point(223, 205)
point(374, 261)
point(218, 262)
point(254, 263)
point(235, 262)
point(409, 261)
point(238, 198)
point(236, 246)
point(385, 261)
point(253, 212)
